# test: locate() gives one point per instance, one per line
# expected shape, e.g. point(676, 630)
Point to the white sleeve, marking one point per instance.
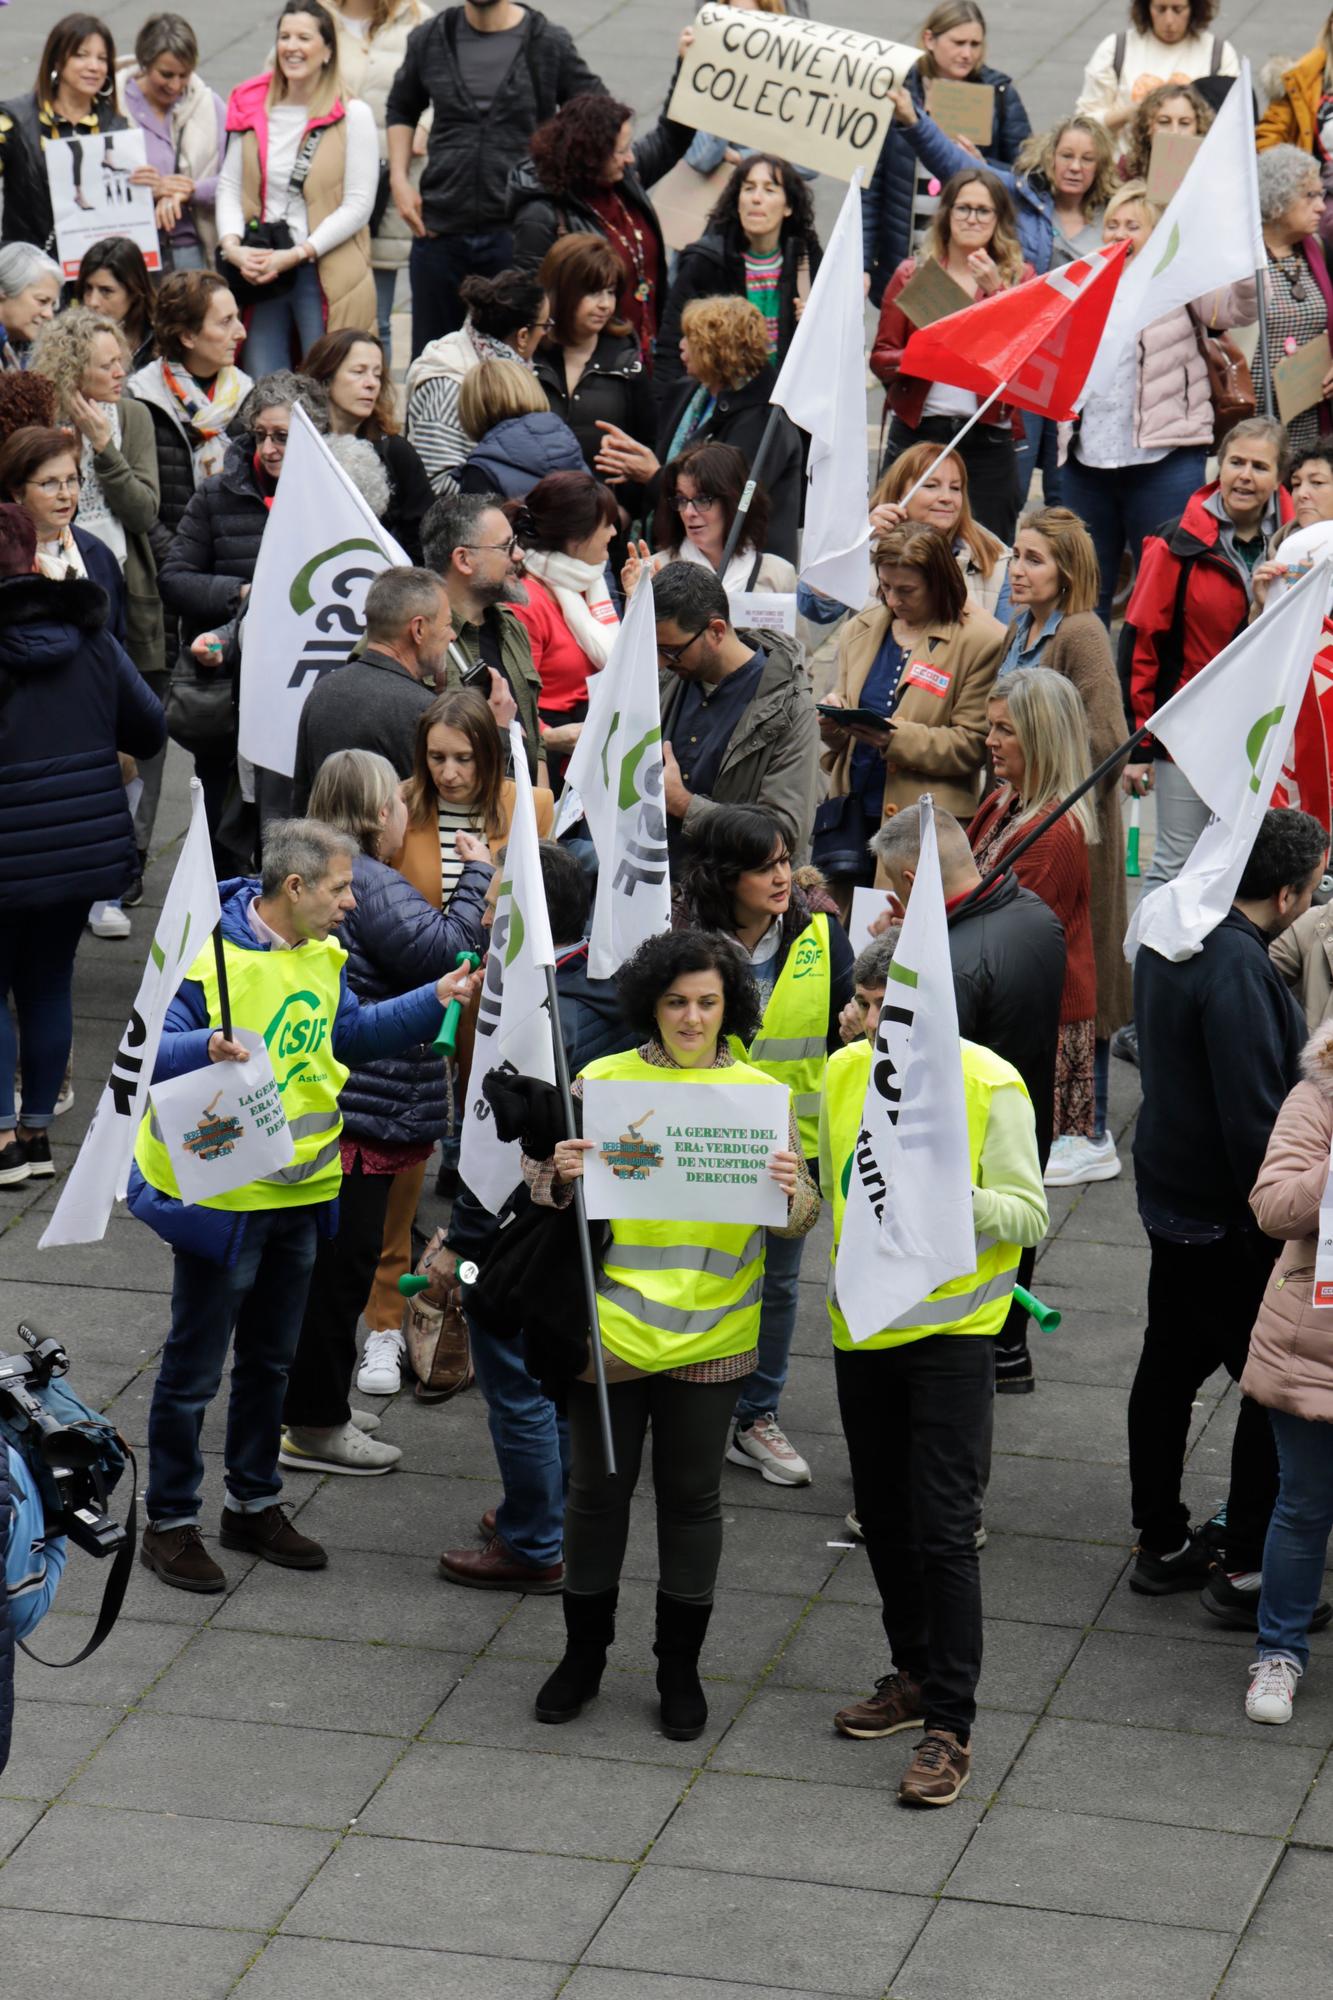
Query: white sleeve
point(360, 180)
point(1230, 65)
point(1101, 90)
point(230, 214)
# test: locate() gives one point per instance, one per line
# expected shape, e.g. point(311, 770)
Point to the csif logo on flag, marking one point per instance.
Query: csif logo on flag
point(638, 793)
point(896, 1020)
point(328, 594)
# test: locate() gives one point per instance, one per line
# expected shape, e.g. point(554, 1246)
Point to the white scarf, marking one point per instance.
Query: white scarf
point(95, 511)
point(61, 560)
point(579, 588)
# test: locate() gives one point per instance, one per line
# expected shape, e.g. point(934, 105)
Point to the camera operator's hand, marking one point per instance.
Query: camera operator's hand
point(221, 1050)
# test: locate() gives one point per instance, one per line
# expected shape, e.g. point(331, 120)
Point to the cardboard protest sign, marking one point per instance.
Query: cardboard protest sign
point(1298, 379)
point(680, 1152)
point(684, 199)
point(224, 1125)
point(931, 294)
point(1172, 157)
point(963, 110)
point(813, 94)
point(91, 196)
point(763, 610)
point(867, 904)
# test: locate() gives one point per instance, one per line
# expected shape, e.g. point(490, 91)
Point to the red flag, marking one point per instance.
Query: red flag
point(1306, 780)
point(1036, 341)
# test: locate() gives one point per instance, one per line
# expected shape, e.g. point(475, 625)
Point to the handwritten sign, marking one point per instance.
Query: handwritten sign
point(91, 196)
point(931, 294)
point(963, 110)
point(1172, 157)
point(1298, 379)
point(813, 94)
point(684, 1152)
point(224, 1125)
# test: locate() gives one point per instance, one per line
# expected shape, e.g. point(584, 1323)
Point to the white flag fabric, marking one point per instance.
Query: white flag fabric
point(822, 387)
point(1210, 235)
point(322, 549)
point(908, 1226)
point(1229, 730)
point(513, 1022)
point(616, 775)
point(101, 1172)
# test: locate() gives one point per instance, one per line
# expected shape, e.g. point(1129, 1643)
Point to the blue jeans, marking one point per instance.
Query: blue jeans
point(1040, 449)
point(386, 284)
point(438, 265)
point(262, 1300)
point(762, 1391)
point(281, 331)
point(531, 1449)
point(37, 950)
point(1120, 504)
point(1297, 1536)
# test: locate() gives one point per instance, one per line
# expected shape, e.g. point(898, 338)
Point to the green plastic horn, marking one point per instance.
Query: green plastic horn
point(448, 1036)
point(1047, 1317)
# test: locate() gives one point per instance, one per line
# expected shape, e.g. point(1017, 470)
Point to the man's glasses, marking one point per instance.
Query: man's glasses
point(493, 548)
point(671, 656)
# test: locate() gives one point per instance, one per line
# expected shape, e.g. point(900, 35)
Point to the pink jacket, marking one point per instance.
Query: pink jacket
point(1174, 404)
point(1291, 1348)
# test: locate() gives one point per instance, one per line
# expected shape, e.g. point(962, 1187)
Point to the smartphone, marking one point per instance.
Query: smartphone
point(478, 675)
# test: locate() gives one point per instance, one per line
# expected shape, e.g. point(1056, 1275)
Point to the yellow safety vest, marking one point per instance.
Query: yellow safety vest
point(792, 1043)
point(291, 998)
point(673, 1293)
point(976, 1303)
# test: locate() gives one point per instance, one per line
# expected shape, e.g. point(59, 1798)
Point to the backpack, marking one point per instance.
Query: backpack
point(1122, 43)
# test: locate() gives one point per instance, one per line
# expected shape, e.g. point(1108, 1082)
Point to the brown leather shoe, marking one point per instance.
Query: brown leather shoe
point(179, 1557)
point(939, 1769)
point(496, 1568)
point(896, 1704)
point(272, 1537)
point(486, 1525)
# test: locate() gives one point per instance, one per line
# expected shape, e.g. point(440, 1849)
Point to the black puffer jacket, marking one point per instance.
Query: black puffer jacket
point(175, 455)
point(740, 417)
point(613, 387)
point(538, 217)
point(216, 546)
point(27, 207)
point(410, 493)
point(470, 153)
point(1008, 957)
point(395, 941)
point(714, 268)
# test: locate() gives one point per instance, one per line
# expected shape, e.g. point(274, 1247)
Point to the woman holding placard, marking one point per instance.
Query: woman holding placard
point(973, 242)
point(1297, 285)
point(678, 1320)
point(738, 879)
point(1176, 108)
point(1167, 41)
point(74, 97)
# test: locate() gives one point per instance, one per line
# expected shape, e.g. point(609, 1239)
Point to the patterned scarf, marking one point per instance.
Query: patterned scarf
point(208, 414)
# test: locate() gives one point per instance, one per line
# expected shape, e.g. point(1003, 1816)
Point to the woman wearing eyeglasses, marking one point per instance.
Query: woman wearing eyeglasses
point(1297, 286)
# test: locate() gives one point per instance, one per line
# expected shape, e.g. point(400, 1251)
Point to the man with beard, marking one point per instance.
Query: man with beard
point(467, 540)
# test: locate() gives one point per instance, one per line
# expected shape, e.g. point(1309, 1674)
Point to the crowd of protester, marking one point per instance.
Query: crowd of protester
point(577, 419)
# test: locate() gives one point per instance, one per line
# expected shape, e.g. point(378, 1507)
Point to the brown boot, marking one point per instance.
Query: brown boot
point(271, 1537)
point(179, 1557)
point(896, 1704)
point(497, 1568)
point(939, 1769)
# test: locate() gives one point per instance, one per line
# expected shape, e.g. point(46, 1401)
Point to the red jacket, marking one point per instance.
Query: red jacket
point(1186, 605)
point(907, 393)
point(1056, 869)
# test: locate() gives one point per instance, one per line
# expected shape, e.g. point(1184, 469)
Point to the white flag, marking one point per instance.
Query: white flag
point(616, 775)
point(100, 1174)
point(907, 1226)
point(322, 549)
point(822, 387)
point(513, 1022)
point(1210, 235)
point(1229, 730)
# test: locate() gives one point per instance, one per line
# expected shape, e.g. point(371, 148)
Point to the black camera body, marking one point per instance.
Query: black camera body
point(71, 1456)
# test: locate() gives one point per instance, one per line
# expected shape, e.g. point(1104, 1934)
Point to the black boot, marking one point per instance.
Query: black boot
point(680, 1637)
point(590, 1628)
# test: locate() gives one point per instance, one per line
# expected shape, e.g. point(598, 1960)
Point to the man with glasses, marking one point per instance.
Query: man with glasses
point(466, 539)
point(738, 724)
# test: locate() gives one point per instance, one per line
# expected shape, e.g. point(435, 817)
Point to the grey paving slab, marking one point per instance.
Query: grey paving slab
point(147, 1597)
point(1083, 1272)
point(106, 1863)
point(51, 1740)
point(1106, 1213)
point(405, 1513)
point(312, 1683)
point(789, 1733)
point(1069, 1420)
point(985, 1952)
point(129, 1258)
point(1089, 1346)
point(558, 1803)
point(17, 1816)
point(1057, 1497)
point(852, 1836)
point(744, 1633)
point(90, 1958)
point(1315, 1825)
point(762, 1549)
point(398, 1599)
point(131, 1659)
point(829, 1493)
point(1289, 1944)
point(293, 1968)
point(1180, 1616)
point(236, 1770)
point(1084, 1864)
point(846, 1941)
point(588, 1983)
point(457, 1898)
point(1021, 1664)
point(1023, 1577)
point(1176, 1684)
point(1255, 1785)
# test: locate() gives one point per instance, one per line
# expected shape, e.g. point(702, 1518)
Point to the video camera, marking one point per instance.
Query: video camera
point(74, 1455)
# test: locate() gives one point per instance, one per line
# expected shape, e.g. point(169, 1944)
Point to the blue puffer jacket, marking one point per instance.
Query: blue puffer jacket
point(360, 1035)
point(1033, 200)
point(395, 938)
point(70, 697)
point(6, 1615)
point(886, 206)
point(516, 453)
point(31, 1566)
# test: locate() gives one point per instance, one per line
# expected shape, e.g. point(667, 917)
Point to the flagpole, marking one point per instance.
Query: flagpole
point(1261, 293)
point(224, 991)
point(953, 444)
point(757, 465)
point(581, 1219)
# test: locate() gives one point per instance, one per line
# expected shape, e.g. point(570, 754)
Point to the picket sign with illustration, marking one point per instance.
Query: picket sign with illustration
point(223, 1126)
point(699, 1154)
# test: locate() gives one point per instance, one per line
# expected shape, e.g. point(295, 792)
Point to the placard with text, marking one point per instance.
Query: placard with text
point(679, 1152)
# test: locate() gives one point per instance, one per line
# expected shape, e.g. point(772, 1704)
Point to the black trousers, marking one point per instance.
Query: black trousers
point(1203, 1299)
point(991, 458)
point(339, 1286)
point(917, 1420)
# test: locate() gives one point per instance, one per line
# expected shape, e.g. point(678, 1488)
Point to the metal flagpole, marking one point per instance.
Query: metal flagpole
point(224, 991)
point(1261, 290)
point(953, 443)
point(758, 463)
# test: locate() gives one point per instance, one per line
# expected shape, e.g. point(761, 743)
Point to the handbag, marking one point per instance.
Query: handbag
point(1230, 382)
point(200, 704)
point(435, 1329)
point(259, 235)
point(379, 208)
point(838, 843)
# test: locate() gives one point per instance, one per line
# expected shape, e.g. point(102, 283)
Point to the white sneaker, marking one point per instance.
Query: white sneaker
point(1273, 1689)
point(347, 1450)
point(365, 1420)
point(764, 1447)
point(108, 920)
point(381, 1370)
point(1075, 1160)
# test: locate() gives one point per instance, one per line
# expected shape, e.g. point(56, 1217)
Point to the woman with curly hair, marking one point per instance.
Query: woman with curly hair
point(1167, 41)
point(586, 173)
point(352, 366)
point(974, 239)
point(1175, 107)
point(760, 245)
point(678, 1321)
point(113, 280)
point(1297, 286)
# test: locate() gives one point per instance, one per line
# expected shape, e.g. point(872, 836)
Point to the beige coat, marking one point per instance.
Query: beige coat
point(344, 273)
point(938, 739)
point(1291, 1348)
point(1304, 956)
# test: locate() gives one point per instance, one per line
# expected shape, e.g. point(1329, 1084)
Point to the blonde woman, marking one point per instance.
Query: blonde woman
point(1176, 107)
point(973, 238)
point(943, 503)
point(518, 437)
point(295, 195)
